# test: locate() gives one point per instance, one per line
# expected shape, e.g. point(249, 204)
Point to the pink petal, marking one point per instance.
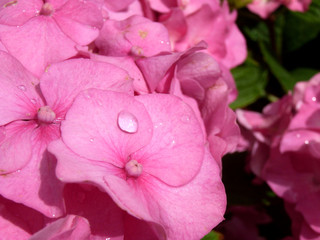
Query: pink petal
point(36, 185)
point(94, 116)
point(16, 148)
point(43, 32)
point(18, 96)
point(104, 216)
point(118, 5)
point(310, 208)
point(127, 63)
point(16, 13)
point(186, 212)
point(80, 21)
point(263, 8)
point(69, 227)
point(18, 221)
point(155, 68)
point(79, 74)
point(176, 150)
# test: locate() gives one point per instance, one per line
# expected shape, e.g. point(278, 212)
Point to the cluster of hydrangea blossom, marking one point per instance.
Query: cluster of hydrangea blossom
point(264, 8)
point(285, 143)
point(111, 126)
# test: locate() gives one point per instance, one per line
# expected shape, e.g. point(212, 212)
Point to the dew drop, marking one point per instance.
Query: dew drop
point(306, 142)
point(22, 87)
point(298, 135)
point(33, 101)
point(314, 99)
point(185, 118)
point(127, 122)
point(168, 141)
point(23, 10)
point(91, 139)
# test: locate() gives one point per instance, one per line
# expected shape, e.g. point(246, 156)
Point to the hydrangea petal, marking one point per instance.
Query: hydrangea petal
point(15, 146)
point(43, 32)
point(35, 185)
point(94, 116)
point(69, 227)
point(15, 13)
point(176, 150)
point(18, 96)
point(81, 74)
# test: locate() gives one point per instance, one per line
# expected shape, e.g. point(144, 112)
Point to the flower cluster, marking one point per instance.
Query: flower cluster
point(114, 117)
point(285, 143)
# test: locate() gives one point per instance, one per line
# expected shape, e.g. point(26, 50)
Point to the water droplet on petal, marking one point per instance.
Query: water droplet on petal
point(314, 99)
point(168, 141)
point(185, 118)
point(22, 87)
point(127, 122)
point(33, 101)
point(91, 139)
point(298, 135)
point(23, 10)
point(306, 142)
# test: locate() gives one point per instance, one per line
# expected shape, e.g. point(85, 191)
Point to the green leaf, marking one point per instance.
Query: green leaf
point(303, 74)
point(283, 76)
point(213, 236)
point(301, 28)
point(257, 33)
point(251, 81)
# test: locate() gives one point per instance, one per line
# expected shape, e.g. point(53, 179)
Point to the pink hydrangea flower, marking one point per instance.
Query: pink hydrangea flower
point(264, 8)
point(54, 27)
point(202, 78)
point(190, 22)
point(31, 113)
point(287, 150)
point(148, 153)
point(136, 36)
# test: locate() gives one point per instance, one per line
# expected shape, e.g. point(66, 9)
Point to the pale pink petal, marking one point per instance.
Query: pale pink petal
point(177, 208)
point(155, 68)
point(18, 96)
point(43, 32)
point(263, 8)
point(17, 12)
point(62, 82)
point(97, 118)
point(127, 63)
point(16, 147)
point(79, 20)
point(176, 150)
point(134, 8)
point(36, 185)
point(176, 24)
point(118, 5)
point(69, 227)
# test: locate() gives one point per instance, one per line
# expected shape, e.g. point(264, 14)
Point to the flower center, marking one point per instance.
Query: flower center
point(133, 168)
point(47, 9)
point(46, 115)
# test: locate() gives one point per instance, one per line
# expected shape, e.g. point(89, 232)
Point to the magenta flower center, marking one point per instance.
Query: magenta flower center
point(133, 168)
point(47, 9)
point(46, 115)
